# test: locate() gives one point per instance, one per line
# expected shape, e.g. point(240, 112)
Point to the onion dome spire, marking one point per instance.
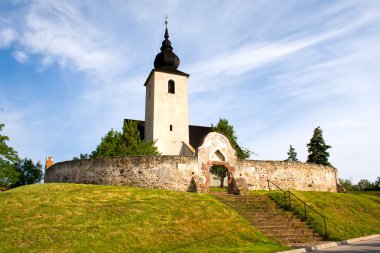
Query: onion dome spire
point(166, 58)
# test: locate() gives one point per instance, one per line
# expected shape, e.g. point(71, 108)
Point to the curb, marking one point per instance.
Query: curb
point(331, 244)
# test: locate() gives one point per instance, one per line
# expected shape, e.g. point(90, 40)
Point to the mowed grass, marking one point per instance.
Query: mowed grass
point(93, 218)
point(347, 215)
point(218, 189)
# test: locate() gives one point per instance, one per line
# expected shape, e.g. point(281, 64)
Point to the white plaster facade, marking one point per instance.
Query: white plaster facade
point(166, 113)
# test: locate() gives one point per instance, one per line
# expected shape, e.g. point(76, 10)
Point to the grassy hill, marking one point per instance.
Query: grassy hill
point(83, 218)
point(348, 215)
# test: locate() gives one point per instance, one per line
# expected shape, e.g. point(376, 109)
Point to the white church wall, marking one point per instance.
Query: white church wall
point(167, 113)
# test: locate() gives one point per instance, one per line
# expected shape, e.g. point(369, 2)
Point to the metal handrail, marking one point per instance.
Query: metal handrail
point(304, 203)
point(270, 182)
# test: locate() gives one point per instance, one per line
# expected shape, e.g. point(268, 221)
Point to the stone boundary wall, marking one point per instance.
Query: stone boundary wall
point(186, 174)
point(288, 175)
point(160, 172)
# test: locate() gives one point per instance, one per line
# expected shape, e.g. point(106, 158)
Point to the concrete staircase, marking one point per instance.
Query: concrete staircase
point(274, 222)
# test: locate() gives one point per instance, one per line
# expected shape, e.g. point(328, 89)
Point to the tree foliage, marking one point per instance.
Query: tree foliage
point(29, 173)
point(221, 172)
point(318, 149)
point(292, 155)
point(8, 159)
point(133, 142)
point(225, 128)
point(347, 184)
point(362, 185)
point(120, 144)
point(377, 184)
point(111, 145)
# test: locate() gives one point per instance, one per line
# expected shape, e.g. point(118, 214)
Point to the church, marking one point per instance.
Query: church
point(187, 152)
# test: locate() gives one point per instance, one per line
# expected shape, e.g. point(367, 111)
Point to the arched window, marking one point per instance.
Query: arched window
point(171, 87)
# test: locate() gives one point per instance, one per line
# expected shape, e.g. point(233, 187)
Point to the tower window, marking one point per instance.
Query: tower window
point(171, 87)
point(171, 127)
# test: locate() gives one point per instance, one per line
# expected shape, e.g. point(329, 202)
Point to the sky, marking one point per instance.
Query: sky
point(72, 70)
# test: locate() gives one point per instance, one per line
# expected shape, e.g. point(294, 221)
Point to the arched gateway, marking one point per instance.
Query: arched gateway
point(217, 150)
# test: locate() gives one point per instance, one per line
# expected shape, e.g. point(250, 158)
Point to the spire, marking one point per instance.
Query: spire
point(166, 28)
point(166, 58)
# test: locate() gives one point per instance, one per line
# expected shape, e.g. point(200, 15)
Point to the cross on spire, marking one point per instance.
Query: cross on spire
point(166, 21)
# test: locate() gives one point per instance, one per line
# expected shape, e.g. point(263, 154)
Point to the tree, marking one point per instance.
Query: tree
point(29, 173)
point(364, 185)
point(8, 158)
point(292, 155)
point(347, 184)
point(377, 184)
point(318, 149)
point(225, 128)
point(82, 156)
point(111, 145)
point(221, 172)
point(133, 142)
point(127, 143)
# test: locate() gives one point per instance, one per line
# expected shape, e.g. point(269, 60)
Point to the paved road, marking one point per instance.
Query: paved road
point(369, 246)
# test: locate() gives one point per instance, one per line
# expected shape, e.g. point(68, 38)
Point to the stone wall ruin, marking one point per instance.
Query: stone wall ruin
point(192, 173)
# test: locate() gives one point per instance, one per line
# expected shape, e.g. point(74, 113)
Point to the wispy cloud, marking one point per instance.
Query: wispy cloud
point(59, 33)
point(7, 36)
point(276, 70)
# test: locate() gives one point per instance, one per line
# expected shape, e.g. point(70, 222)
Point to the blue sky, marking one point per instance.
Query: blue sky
point(72, 70)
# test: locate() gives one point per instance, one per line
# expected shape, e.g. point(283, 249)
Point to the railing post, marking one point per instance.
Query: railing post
point(324, 221)
point(305, 211)
point(268, 185)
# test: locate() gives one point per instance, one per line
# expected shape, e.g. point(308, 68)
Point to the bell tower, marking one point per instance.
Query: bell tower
point(166, 106)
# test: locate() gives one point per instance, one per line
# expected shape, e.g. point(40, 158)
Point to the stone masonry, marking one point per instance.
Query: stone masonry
point(192, 173)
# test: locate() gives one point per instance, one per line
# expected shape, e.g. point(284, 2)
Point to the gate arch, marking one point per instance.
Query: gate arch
point(217, 150)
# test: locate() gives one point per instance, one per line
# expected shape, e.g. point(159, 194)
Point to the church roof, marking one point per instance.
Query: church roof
point(166, 58)
point(196, 133)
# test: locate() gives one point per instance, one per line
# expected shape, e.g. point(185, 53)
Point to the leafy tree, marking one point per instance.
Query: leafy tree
point(127, 143)
point(82, 156)
point(377, 184)
point(29, 173)
point(221, 172)
point(111, 145)
point(292, 155)
point(225, 128)
point(365, 185)
point(318, 149)
point(347, 184)
point(8, 158)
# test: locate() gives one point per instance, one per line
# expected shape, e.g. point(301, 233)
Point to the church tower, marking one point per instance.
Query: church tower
point(166, 107)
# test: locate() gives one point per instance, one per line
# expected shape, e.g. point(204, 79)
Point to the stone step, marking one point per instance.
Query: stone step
point(272, 226)
point(278, 224)
point(267, 214)
point(287, 232)
point(268, 222)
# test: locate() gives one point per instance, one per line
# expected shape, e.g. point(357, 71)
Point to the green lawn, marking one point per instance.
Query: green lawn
point(347, 215)
point(92, 218)
point(218, 189)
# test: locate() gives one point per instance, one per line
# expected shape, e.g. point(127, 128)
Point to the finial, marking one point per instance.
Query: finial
point(166, 29)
